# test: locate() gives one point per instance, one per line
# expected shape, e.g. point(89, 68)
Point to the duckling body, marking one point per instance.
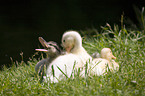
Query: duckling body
point(101, 65)
point(75, 54)
point(63, 67)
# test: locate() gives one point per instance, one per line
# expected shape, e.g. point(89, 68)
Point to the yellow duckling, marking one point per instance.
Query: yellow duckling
point(101, 65)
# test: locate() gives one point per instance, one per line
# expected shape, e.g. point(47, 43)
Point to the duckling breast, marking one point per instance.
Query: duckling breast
point(63, 64)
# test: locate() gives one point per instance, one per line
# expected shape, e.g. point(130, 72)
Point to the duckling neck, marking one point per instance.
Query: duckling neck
point(106, 57)
point(77, 49)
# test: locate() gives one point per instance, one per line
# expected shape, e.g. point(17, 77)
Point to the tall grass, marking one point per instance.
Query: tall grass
point(127, 46)
point(140, 15)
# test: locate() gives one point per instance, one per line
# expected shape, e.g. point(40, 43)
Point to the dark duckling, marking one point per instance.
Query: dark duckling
point(52, 50)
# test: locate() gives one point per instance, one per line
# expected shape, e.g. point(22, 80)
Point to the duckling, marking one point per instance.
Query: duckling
point(105, 61)
point(96, 55)
point(52, 50)
point(72, 43)
point(76, 56)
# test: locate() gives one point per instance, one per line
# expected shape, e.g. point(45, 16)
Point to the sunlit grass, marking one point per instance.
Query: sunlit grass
point(127, 46)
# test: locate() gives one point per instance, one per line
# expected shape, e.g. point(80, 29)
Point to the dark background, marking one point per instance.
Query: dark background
point(23, 21)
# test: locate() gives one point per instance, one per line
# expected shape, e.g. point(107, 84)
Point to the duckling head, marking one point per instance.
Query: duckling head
point(71, 41)
point(51, 48)
point(106, 53)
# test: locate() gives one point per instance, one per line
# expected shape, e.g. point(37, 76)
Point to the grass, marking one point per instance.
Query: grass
point(127, 46)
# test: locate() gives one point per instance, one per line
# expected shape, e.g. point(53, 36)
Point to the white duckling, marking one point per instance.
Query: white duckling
point(100, 64)
point(75, 54)
point(72, 42)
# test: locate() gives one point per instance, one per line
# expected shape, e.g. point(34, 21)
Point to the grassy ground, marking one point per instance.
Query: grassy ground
point(127, 46)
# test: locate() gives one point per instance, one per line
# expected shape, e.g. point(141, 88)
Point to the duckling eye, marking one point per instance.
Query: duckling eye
point(48, 48)
point(63, 40)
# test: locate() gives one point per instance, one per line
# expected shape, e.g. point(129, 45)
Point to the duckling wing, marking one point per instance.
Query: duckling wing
point(99, 66)
point(84, 56)
point(39, 67)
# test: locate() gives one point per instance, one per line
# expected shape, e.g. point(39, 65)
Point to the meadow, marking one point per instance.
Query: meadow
point(126, 44)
